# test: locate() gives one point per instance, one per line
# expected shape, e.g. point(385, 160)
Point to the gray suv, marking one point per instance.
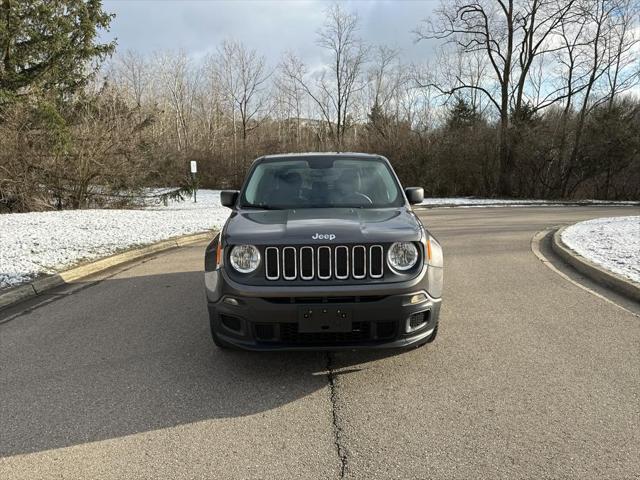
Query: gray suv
point(323, 251)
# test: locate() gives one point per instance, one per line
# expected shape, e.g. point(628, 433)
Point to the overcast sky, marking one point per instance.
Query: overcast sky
point(271, 27)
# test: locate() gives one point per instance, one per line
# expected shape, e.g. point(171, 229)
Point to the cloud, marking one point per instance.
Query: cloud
point(271, 27)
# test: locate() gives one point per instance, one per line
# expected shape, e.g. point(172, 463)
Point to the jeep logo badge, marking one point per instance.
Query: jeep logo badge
point(325, 236)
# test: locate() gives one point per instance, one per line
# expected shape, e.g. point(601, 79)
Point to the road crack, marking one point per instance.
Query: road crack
point(337, 428)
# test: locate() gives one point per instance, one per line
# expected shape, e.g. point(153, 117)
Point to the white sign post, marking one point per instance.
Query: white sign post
point(194, 170)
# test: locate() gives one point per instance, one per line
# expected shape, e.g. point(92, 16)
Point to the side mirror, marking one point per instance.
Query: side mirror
point(228, 198)
point(414, 194)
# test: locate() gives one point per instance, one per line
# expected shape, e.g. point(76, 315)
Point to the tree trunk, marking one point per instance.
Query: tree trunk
point(506, 164)
point(505, 187)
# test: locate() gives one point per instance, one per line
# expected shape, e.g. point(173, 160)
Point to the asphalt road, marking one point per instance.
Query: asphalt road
point(530, 377)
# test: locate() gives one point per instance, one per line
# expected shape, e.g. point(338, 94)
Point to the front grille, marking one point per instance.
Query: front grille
point(265, 331)
point(385, 330)
point(361, 332)
point(324, 263)
point(306, 300)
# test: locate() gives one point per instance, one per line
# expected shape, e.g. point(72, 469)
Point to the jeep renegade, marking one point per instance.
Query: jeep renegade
point(323, 251)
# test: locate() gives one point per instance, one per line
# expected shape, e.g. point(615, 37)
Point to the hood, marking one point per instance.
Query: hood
point(322, 226)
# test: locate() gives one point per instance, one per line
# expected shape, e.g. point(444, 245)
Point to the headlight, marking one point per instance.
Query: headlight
point(244, 258)
point(402, 256)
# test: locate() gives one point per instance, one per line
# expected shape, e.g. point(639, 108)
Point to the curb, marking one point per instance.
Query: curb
point(615, 282)
point(41, 285)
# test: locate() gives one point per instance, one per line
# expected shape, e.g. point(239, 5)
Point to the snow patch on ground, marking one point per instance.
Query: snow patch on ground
point(459, 201)
point(45, 242)
point(497, 202)
point(613, 243)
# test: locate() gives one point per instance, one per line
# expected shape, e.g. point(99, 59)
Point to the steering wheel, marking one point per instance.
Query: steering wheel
point(362, 196)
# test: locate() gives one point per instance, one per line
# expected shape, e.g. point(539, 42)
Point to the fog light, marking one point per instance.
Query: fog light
point(418, 298)
point(231, 301)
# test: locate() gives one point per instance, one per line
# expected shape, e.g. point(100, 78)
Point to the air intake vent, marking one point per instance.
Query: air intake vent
point(418, 320)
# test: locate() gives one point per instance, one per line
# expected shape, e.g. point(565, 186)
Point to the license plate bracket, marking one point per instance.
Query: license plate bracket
point(319, 318)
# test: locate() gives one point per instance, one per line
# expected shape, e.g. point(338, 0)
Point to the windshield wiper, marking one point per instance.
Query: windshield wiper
point(261, 206)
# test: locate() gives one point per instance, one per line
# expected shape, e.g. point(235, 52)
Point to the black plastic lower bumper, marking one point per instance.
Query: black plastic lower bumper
point(324, 323)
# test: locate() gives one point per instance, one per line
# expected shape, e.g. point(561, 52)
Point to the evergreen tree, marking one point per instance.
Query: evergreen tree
point(50, 44)
point(462, 115)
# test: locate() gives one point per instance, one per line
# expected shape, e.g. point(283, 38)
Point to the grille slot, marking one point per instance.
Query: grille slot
point(272, 262)
point(306, 263)
point(359, 262)
point(289, 263)
point(324, 262)
point(376, 261)
point(342, 262)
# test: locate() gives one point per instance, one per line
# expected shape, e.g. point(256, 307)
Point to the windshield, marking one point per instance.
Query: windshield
point(321, 183)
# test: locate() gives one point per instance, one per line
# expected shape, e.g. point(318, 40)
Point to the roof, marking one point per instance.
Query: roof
point(323, 155)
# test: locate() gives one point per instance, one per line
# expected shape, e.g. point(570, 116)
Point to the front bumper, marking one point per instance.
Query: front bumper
point(271, 321)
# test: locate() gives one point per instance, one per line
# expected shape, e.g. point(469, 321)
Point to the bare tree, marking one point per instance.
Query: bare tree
point(336, 84)
point(243, 76)
point(291, 93)
point(387, 82)
point(511, 35)
point(608, 23)
point(208, 106)
point(623, 55)
point(178, 81)
point(538, 100)
point(132, 72)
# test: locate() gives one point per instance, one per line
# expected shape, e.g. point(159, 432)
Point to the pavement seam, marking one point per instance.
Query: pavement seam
point(337, 429)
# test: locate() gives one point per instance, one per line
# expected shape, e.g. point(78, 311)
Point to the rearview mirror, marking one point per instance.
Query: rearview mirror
point(414, 194)
point(228, 198)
